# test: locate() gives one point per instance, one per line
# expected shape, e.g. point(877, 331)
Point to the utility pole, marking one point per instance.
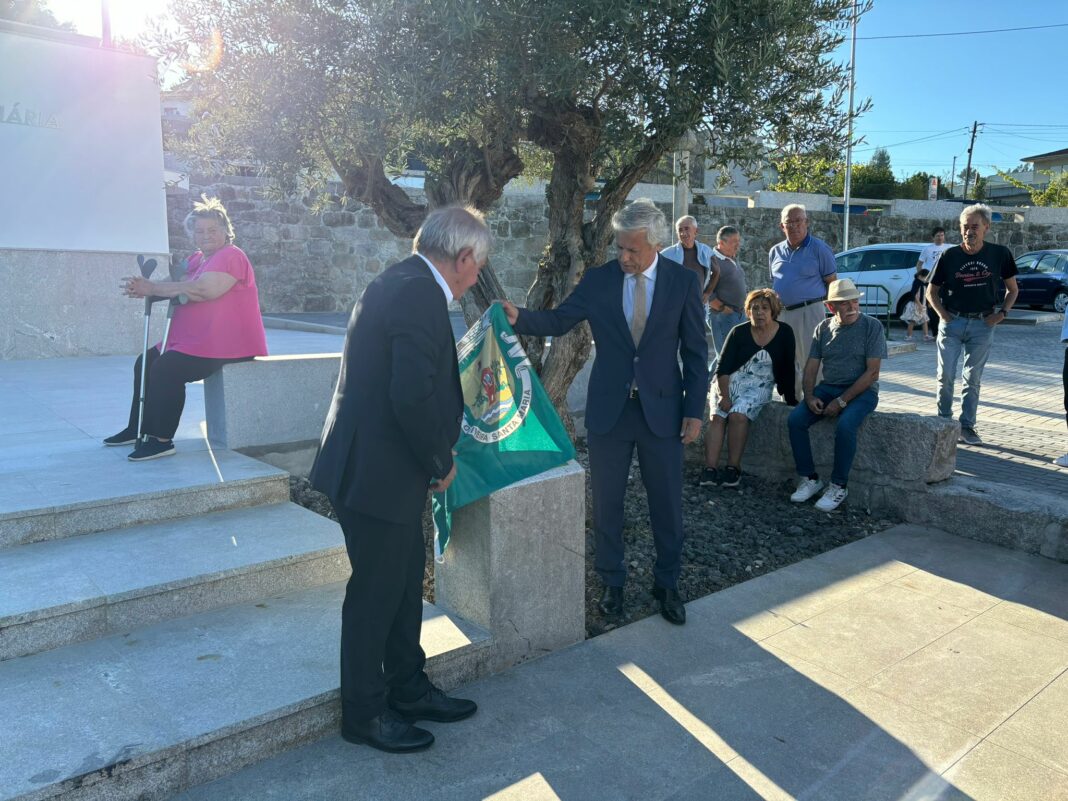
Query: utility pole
point(952, 176)
point(849, 142)
point(105, 23)
point(968, 169)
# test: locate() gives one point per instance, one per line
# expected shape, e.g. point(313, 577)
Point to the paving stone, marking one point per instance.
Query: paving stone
point(977, 676)
point(992, 773)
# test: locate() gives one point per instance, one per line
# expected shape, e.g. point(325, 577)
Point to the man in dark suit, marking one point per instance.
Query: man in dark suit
point(645, 312)
point(388, 437)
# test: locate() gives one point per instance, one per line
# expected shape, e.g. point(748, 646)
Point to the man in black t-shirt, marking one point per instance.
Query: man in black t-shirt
point(964, 291)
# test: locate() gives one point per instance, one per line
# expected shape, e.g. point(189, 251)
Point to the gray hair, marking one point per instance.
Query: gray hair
point(686, 218)
point(209, 208)
point(642, 215)
point(788, 208)
point(448, 230)
point(725, 231)
point(981, 209)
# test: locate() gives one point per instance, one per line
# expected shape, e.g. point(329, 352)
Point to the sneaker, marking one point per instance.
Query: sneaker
point(709, 477)
point(832, 498)
point(151, 449)
point(806, 488)
point(1062, 462)
point(128, 436)
point(969, 437)
point(732, 476)
point(909, 338)
point(928, 338)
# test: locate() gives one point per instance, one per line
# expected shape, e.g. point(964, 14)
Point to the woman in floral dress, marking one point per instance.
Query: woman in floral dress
point(757, 357)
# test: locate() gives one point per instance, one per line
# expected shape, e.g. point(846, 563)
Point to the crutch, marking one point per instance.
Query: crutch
point(146, 267)
point(177, 274)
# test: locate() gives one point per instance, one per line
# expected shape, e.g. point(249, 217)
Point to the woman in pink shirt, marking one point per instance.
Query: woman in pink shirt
point(220, 323)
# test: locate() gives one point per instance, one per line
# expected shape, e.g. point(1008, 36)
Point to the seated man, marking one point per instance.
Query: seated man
point(850, 346)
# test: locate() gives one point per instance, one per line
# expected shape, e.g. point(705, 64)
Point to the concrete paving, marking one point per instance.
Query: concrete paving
point(1021, 411)
point(912, 664)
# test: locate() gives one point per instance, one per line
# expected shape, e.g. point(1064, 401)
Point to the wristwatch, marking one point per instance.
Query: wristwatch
point(1004, 311)
point(841, 403)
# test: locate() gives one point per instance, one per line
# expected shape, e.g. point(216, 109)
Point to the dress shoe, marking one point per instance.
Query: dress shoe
point(611, 602)
point(672, 608)
point(387, 732)
point(434, 705)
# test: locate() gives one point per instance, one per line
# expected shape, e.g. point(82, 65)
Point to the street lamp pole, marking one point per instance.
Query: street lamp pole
point(105, 23)
point(849, 143)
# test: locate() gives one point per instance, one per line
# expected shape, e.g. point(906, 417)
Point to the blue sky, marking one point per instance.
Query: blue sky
point(1015, 82)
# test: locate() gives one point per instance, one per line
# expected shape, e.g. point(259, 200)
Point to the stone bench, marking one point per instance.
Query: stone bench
point(272, 407)
point(898, 454)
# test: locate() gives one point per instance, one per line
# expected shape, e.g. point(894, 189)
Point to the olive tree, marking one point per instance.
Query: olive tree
point(593, 95)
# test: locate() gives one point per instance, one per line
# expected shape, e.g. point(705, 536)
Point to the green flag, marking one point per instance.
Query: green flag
point(510, 429)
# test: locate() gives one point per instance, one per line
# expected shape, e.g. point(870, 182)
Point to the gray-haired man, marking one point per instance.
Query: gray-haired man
point(645, 313)
point(388, 437)
point(726, 299)
point(963, 290)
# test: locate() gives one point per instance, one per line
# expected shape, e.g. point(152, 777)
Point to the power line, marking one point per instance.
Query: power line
point(965, 33)
point(942, 134)
point(1027, 125)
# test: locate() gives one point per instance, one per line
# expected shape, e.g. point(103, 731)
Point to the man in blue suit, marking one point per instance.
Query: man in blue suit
point(645, 312)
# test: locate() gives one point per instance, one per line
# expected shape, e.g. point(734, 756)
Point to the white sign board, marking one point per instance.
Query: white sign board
point(932, 189)
point(81, 149)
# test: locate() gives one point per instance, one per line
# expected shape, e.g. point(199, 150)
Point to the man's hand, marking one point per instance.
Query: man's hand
point(691, 427)
point(442, 484)
point(815, 404)
point(994, 319)
point(510, 311)
point(831, 409)
point(725, 403)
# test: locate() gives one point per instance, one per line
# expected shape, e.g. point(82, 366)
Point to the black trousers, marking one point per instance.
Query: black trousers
point(382, 615)
point(660, 459)
point(1064, 379)
point(165, 380)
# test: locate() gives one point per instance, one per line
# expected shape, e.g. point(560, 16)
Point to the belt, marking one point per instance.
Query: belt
point(972, 315)
point(804, 303)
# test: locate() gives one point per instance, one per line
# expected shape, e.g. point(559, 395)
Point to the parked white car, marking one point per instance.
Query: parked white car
point(884, 273)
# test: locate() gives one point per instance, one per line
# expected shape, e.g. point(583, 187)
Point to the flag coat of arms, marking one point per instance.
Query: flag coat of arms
point(510, 430)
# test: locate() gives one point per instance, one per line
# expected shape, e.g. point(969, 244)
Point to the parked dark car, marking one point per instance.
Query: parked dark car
point(1043, 279)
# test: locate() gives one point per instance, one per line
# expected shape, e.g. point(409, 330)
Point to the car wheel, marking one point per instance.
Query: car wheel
point(1060, 301)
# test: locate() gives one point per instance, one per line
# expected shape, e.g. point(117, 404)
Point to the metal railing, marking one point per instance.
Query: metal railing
point(866, 303)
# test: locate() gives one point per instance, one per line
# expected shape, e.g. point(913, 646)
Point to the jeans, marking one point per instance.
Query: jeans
point(973, 336)
point(845, 434)
point(722, 323)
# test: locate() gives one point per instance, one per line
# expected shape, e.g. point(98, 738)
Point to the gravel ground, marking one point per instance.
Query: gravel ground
point(732, 535)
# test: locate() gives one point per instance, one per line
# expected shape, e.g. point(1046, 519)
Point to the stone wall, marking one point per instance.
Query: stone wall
point(321, 262)
point(307, 261)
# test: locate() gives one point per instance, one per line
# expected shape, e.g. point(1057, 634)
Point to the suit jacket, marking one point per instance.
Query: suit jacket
point(396, 411)
point(675, 327)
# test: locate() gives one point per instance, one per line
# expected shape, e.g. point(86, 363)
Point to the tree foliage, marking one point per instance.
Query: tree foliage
point(601, 90)
point(1055, 193)
point(32, 12)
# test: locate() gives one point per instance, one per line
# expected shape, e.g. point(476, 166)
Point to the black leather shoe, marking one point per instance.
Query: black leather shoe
point(611, 602)
point(387, 732)
point(672, 608)
point(434, 705)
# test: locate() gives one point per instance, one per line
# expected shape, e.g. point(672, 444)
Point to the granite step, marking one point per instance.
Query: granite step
point(64, 591)
point(147, 713)
point(92, 488)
